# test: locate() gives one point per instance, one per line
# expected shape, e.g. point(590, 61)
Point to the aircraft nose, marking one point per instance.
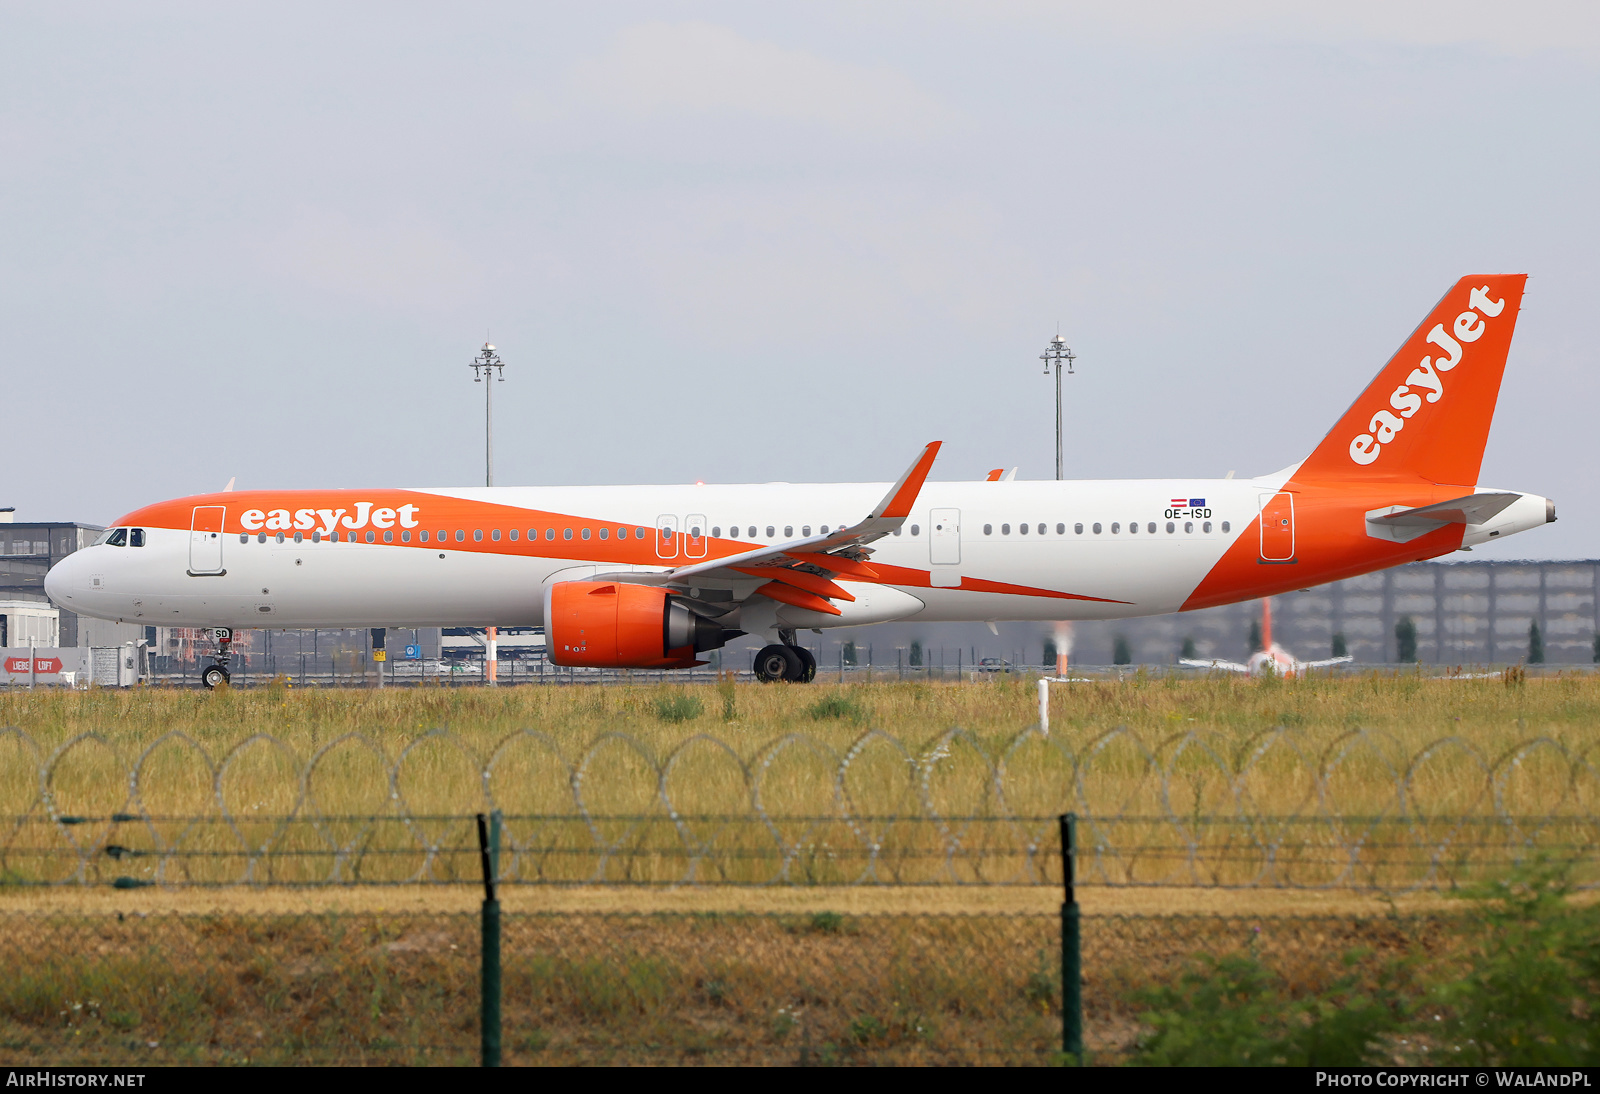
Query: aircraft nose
point(59, 583)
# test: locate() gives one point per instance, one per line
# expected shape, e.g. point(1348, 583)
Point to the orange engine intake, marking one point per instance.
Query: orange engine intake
point(615, 625)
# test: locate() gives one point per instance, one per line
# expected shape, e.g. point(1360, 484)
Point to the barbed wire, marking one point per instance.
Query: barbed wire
point(963, 810)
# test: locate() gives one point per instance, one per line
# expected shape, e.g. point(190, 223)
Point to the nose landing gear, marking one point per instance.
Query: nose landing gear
point(785, 661)
point(216, 674)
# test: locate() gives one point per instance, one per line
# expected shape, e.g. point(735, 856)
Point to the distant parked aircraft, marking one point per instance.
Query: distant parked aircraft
point(1270, 658)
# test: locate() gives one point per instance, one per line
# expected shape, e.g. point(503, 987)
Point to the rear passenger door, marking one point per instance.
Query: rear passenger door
point(1277, 527)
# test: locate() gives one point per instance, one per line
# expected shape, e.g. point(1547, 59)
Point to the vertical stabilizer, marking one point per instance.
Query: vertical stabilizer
point(1426, 416)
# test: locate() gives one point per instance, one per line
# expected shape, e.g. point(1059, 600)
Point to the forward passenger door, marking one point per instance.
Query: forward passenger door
point(205, 539)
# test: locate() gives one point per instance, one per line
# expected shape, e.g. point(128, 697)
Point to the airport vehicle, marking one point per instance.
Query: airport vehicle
point(657, 576)
point(1270, 659)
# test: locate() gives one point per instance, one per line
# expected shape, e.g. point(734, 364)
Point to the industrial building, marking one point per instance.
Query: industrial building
point(1464, 613)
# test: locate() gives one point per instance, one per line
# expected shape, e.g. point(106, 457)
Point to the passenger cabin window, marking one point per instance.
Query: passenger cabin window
point(1097, 528)
point(300, 537)
point(1188, 526)
point(261, 537)
point(585, 533)
point(988, 529)
point(916, 530)
point(716, 531)
point(1151, 528)
point(477, 535)
point(316, 537)
point(278, 538)
point(825, 530)
point(771, 531)
point(422, 536)
point(370, 536)
point(461, 536)
point(1005, 529)
point(1171, 527)
point(1115, 527)
point(1206, 527)
point(388, 536)
point(566, 533)
point(244, 537)
point(1023, 528)
point(1224, 526)
point(495, 535)
point(550, 533)
point(1133, 527)
point(1077, 529)
point(605, 533)
point(805, 530)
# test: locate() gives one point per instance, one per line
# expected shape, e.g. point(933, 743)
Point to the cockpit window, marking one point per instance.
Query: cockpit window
point(135, 537)
point(117, 537)
point(104, 536)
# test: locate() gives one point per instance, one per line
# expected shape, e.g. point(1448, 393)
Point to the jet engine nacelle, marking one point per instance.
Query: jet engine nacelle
point(615, 625)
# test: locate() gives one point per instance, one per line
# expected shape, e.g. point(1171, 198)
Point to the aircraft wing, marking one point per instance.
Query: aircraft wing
point(1225, 666)
point(800, 572)
point(1471, 509)
point(1326, 661)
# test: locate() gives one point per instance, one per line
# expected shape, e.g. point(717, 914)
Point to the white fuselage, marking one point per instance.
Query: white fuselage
point(1116, 571)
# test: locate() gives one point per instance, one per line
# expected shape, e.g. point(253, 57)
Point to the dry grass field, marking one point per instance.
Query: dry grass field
point(1340, 781)
point(817, 988)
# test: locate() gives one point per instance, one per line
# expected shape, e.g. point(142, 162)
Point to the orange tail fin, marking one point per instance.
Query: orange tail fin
point(1426, 416)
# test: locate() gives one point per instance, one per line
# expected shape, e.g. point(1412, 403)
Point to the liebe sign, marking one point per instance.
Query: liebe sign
point(40, 664)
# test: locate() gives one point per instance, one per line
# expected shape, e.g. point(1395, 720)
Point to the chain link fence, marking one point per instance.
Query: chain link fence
point(818, 988)
point(966, 809)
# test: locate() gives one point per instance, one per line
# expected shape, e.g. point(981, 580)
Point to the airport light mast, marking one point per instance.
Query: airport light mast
point(486, 362)
point(1054, 354)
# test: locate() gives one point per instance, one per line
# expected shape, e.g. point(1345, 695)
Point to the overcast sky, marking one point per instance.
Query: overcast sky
point(785, 241)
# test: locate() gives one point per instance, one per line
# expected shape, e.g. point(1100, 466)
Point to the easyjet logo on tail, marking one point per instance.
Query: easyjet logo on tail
point(280, 520)
point(1427, 379)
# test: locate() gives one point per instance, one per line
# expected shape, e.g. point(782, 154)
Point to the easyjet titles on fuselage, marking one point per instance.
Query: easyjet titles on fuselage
point(279, 520)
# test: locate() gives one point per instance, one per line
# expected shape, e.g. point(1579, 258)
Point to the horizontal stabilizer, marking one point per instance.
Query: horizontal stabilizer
point(1472, 509)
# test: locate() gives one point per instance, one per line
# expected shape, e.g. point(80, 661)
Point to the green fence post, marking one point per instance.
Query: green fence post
point(489, 1005)
point(1071, 945)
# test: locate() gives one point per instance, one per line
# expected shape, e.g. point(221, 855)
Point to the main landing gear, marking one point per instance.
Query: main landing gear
point(218, 673)
point(785, 661)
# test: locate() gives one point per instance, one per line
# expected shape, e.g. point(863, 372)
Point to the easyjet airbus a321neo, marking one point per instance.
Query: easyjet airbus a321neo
point(656, 576)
